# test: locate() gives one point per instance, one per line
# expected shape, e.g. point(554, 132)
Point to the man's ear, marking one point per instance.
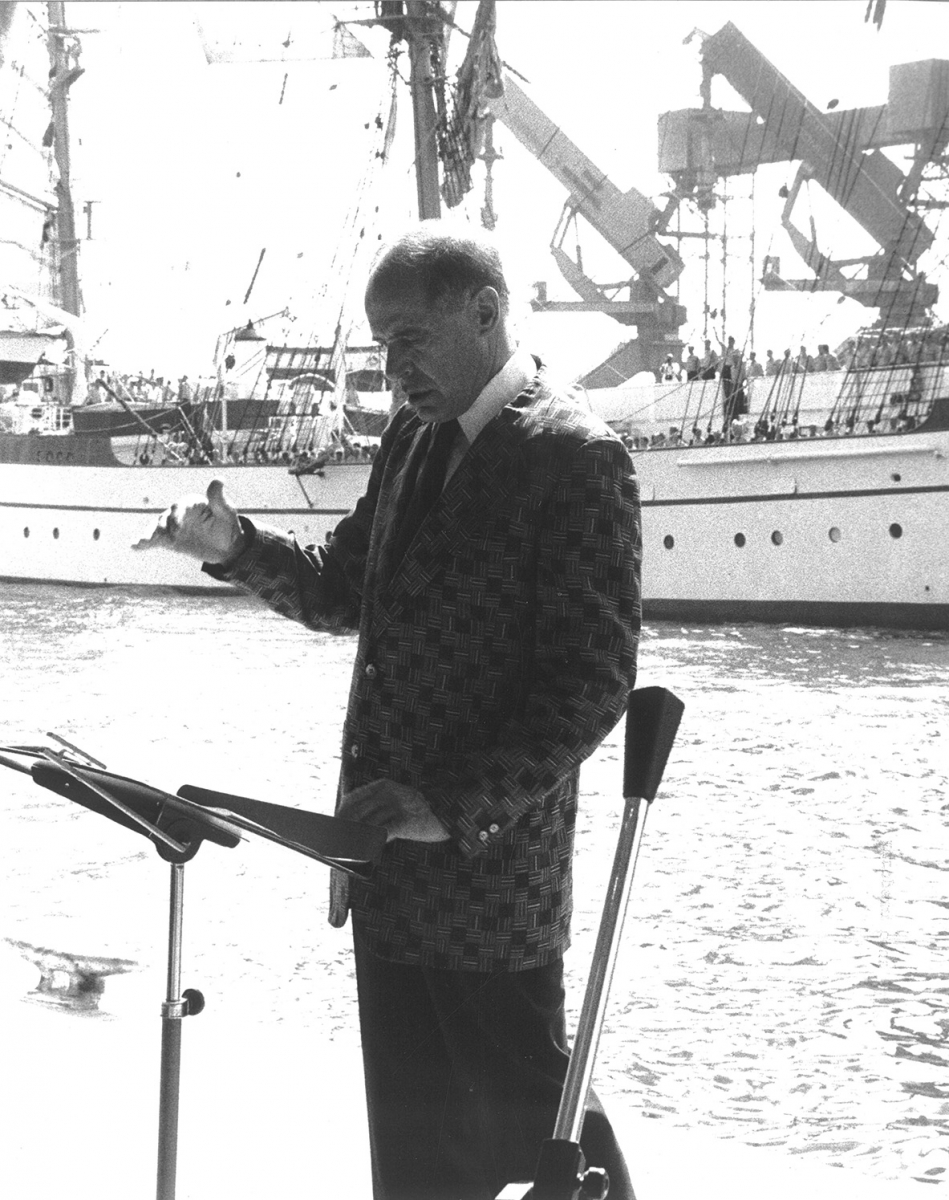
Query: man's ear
point(487, 306)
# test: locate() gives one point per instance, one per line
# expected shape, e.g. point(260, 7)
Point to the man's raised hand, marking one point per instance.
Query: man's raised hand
point(207, 529)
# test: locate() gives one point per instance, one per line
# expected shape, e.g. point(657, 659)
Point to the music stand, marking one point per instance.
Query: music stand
point(177, 825)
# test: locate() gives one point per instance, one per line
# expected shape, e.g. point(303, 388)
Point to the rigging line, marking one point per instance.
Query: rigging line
point(250, 286)
point(844, 146)
point(724, 264)
point(464, 33)
point(851, 149)
point(27, 141)
point(352, 216)
point(744, 147)
point(373, 166)
point(800, 393)
point(851, 180)
point(347, 233)
point(353, 219)
point(909, 256)
point(337, 268)
point(921, 224)
point(41, 88)
point(43, 28)
point(9, 124)
point(7, 121)
point(843, 152)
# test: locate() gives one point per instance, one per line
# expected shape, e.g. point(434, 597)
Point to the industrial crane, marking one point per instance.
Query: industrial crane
point(627, 221)
point(840, 150)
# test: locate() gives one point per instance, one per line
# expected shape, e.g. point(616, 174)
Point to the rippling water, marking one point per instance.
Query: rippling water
point(784, 973)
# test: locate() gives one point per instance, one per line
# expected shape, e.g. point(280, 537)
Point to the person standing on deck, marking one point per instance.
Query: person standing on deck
point(733, 379)
point(730, 367)
point(709, 363)
point(492, 572)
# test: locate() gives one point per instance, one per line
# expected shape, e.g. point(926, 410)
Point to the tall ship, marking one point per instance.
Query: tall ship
point(810, 489)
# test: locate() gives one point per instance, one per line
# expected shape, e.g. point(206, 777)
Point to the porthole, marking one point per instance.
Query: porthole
point(834, 533)
point(55, 533)
point(739, 539)
point(95, 535)
point(26, 531)
point(896, 531)
point(668, 541)
point(777, 537)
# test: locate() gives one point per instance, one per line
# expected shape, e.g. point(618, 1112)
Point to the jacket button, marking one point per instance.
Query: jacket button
point(371, 671)
point(494, 829)
point(354, 750)
point(483, 836)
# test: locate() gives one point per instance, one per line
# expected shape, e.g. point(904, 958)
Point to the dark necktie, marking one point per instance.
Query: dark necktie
point(425, 478)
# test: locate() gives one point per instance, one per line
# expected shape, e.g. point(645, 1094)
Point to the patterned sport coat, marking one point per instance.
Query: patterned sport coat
point(491, 661)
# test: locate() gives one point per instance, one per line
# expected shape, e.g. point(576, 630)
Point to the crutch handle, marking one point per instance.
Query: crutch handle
point(652, 720)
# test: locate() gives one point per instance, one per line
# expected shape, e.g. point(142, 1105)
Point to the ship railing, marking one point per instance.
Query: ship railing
point(875, 400)
point(38, 417)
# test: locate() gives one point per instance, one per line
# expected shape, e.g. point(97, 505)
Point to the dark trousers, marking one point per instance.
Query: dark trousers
point(464, 1071)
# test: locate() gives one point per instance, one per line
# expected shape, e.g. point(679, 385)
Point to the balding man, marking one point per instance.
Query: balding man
point(492, 573)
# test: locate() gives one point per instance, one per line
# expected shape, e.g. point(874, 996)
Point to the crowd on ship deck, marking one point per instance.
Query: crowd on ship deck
point(864, 351)
point(190, 444)
point(166, 451)
point(892, 412)
point(728, 365)
point(135, 388)
point(138, 388)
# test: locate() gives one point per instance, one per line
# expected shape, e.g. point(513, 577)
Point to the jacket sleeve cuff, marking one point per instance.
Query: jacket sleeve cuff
point(475, 829)
point(256, 540)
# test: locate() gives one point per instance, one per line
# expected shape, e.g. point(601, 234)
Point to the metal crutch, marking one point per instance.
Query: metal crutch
point(652, 720)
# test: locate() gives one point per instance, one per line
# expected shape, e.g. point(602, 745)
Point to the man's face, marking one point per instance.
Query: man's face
point(441, 356)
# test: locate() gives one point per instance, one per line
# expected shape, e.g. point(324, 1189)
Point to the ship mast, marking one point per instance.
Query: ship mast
point(424, 32)
point(63, 73)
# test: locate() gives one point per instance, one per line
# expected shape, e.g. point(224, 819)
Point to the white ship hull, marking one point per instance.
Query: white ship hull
point(836, 530)
point(76, 524)
point(829, 530)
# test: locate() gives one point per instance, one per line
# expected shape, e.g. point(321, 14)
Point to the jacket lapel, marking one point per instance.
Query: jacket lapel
point(484, 479)
point(394, 504)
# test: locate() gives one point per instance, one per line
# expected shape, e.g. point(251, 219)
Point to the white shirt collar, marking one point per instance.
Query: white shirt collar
point(500, 389)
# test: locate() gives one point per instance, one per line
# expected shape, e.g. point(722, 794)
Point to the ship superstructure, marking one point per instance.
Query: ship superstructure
point(812, 495)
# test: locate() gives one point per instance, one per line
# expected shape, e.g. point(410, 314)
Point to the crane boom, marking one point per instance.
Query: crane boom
point(626, 220)
point(842, 151)
point(865, 183)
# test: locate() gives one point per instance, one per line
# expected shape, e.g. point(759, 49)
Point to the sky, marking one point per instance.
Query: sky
point(196, 168)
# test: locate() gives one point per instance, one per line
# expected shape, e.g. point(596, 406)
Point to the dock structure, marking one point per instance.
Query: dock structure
point(73, 980)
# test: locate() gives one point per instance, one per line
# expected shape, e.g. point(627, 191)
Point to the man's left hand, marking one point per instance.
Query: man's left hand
point(403, 811)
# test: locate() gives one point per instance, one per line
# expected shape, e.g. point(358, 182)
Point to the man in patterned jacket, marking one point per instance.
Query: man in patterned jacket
point(497, 645)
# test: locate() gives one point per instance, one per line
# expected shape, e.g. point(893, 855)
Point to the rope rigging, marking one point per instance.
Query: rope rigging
point(298, 427)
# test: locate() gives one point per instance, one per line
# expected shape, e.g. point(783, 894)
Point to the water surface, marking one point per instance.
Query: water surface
point(783, 979)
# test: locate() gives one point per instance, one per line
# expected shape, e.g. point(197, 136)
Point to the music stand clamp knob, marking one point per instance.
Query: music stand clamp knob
point(189, 1005)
